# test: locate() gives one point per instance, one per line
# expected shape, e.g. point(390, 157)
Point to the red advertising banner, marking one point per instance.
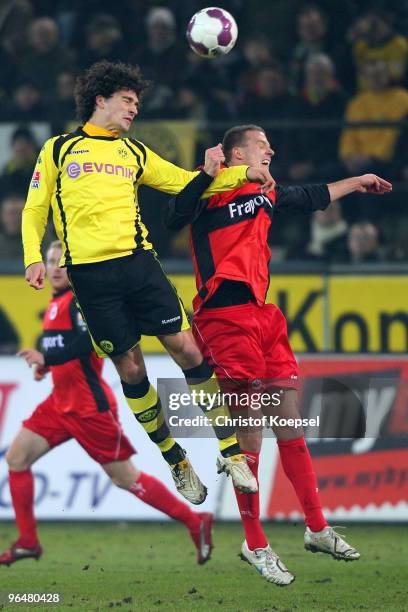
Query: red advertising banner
point(366, 473)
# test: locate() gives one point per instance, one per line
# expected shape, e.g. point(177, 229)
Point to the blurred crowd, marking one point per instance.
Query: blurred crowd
point(329, 62)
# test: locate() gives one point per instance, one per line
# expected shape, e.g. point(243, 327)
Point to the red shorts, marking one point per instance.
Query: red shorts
point(247, 342)
point(100, 435)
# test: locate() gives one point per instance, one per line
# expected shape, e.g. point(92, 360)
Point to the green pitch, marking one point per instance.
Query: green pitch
point(151, 566)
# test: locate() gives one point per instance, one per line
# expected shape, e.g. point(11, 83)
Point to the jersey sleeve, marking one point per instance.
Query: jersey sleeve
point(35, 213)
point(165, 176)
point(302, 199)
point(185, 206)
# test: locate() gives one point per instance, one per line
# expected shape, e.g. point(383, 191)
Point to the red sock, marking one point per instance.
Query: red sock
point(298, 467)
point(248, 504)
point(22, 494)
point(153, 492)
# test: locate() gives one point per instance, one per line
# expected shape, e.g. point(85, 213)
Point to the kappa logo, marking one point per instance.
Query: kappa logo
point(78, 152)
point(248, 207)
point(106, 345)
point(166, 321)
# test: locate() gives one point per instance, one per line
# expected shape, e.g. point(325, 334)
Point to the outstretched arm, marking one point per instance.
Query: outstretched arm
point(309, 198)
point(165, 176)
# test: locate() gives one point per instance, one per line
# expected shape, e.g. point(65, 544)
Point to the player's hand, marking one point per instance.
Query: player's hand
point(39, 372)
point(263, 176)
point(35, 274)
point(32, 356)
point(214, 157)
point(371, 183)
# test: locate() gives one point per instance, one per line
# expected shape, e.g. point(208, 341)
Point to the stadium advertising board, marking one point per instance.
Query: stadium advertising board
point(361, 452)
point(324, 313)
point(68, 484)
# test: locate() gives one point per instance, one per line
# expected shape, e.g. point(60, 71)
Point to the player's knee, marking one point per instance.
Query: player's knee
point(183, 349)
point(126, 477)
point(132, 376)
point(189, 355)
point(121, 482)
point(192, 356)
point(130, 372)
point(17, 460)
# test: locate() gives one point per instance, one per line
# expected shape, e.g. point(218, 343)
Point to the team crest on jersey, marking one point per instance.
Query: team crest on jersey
point(53, 312)
point(106, 345)
point(36, 180)
point(122, 152)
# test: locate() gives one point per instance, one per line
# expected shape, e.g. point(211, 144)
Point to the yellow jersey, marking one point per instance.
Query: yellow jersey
point(90, 178)
point(377, 142)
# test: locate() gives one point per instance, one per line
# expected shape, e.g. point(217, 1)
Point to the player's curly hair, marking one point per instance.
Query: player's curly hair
point(104, 79)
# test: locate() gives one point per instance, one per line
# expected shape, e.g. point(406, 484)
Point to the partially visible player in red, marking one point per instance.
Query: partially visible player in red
point(81, 406)
point(245, 339)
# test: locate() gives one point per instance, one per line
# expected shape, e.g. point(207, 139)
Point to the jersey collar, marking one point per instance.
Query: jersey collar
point(57, 294)
point(95, 131)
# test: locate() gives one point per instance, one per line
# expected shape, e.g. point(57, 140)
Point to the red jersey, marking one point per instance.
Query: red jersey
point(229, 241)
point(76, 370)
point(229, 233)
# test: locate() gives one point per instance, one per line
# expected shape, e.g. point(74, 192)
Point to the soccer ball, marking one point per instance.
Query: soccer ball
point(212, 32)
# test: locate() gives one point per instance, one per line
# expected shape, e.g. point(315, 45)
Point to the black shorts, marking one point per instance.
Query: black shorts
point(123, 298)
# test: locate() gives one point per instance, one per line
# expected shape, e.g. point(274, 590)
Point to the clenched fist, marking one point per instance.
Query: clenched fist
point(214, 157)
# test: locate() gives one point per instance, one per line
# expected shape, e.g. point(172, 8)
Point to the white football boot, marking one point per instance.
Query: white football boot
point(329, 541)
point(268, 564)
point(237, 467)
point(188, 483)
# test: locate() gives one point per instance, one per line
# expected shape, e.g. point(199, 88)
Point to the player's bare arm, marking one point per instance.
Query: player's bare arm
point(367, 183)
point(35, 274)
